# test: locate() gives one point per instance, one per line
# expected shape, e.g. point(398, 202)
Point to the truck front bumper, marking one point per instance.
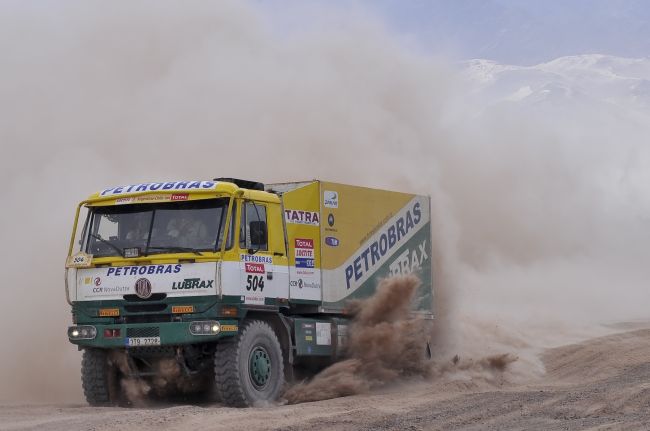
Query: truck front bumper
point(110, 336)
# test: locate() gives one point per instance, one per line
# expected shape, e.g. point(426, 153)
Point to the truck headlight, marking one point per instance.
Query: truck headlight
point(82, 332)
point(207, 327)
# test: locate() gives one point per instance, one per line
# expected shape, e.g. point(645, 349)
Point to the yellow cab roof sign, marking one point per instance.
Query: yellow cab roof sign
point(159, 187)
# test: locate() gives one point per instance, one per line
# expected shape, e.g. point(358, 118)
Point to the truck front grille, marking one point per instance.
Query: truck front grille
point(153, 297)
point(145, 308)
point(147, 318)
point(152, 331)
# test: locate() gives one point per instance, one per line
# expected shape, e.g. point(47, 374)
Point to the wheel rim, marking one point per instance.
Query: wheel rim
point(259, 367)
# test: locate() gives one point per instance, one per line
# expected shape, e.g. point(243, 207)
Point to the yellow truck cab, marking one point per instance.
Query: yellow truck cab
point(236, 283)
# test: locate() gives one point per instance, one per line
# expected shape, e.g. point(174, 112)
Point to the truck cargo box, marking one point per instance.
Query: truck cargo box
point(343, 239)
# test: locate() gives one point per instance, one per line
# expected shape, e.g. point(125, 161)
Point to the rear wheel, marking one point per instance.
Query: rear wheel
point(249, 370)
point(99, 378)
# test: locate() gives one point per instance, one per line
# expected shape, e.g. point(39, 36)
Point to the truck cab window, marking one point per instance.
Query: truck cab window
point(168, 227)
point(253, 232)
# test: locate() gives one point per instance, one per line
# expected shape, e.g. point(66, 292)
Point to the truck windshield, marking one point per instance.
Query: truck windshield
point(172, 227)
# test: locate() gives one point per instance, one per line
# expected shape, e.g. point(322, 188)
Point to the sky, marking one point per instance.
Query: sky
point(508, 31)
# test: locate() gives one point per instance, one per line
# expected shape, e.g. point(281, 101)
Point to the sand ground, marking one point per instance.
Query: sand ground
point(599, 384)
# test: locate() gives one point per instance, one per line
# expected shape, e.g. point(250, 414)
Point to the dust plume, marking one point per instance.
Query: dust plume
point(388, 344)
point(540, 214)
point(169, 382)
point(95, 94)
point(385, 343)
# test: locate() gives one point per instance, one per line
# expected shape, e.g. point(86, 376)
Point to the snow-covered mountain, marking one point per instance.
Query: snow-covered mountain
point(593, 79)
point(590, 112)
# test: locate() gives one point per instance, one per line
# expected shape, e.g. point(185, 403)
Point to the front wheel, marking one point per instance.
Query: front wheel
point(99, 378)
point(249, 369)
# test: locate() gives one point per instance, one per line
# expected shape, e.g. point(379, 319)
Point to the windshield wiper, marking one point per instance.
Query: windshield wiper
point(110, 244)
point(177, 249)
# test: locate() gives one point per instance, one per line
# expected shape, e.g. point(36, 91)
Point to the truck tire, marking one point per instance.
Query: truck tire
point(249, 369)
point(98, 378)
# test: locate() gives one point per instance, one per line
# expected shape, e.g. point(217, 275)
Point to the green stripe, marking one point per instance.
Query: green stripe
point(424, 295)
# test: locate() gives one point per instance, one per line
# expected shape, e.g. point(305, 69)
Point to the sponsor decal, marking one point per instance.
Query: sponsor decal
point(146, 199)
point(302, 262)
point(330, 223)
point(304, 243)
point(256, 258)
point(192, 283)
point(117, 289)
point(331, 241)
point(304, 253)
point(323, 333)
point(143, 288)
point(410, 260)
point(390, 237)
point(376, 228)
point(153, 187)
point(256, 268)
point(300, 283)
point(229, 328)
point(257, 300)
point(180, 197)
point(97, 281)
point(121, 271)
point(302, 217)
point(330, 199)
point(311, 284)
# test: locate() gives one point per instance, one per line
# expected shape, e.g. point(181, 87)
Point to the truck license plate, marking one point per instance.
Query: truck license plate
point(143, 341)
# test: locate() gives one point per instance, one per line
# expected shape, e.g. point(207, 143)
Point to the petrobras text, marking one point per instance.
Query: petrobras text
point(142, 270)
point(256, 258)
point(154, 187)
point(389, 237)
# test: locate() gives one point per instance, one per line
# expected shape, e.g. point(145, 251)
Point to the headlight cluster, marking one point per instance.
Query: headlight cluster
point(205, 327)
point(82, 332)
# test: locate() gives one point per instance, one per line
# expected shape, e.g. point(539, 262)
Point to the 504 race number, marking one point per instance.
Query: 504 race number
point(254, 282)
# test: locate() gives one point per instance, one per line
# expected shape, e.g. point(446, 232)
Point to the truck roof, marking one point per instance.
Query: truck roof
point(173, 191)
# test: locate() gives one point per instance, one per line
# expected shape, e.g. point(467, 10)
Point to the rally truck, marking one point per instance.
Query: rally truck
point(239, 285)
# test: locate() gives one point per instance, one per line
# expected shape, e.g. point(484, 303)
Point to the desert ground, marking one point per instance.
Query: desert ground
point(599, 384)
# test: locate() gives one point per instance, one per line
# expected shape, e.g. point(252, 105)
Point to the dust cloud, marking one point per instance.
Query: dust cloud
point(540, 216)
point(385, 343)
point(169, 383)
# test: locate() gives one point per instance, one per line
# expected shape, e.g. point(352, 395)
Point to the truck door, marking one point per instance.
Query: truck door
point(264, 267)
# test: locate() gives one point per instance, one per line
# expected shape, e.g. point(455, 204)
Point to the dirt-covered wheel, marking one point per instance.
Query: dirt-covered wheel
point(99, 378)
point(249, 369)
